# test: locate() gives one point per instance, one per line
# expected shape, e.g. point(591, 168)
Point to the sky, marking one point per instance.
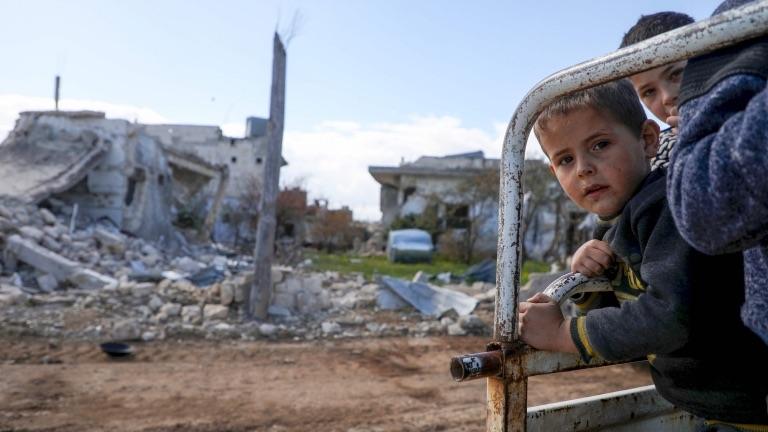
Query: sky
point(369, 82)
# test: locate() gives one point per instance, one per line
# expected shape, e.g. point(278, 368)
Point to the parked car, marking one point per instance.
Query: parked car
point(409, 245)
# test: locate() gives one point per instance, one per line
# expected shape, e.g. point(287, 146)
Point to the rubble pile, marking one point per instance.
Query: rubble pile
point(97, 283)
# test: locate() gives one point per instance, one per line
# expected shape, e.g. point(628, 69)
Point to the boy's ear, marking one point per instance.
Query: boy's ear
point(650, 136)
point(552, 169)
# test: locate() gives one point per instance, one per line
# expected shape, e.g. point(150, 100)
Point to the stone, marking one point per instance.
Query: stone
point(52, 232)
point(268, 330)
point(188, 265)
point(10, 295)
point(89, 279)
point(446, 321)
point(330, 328)
point(227, 293)
point(171, 309)
point(126, 330)
point(284, 299)
point(290, 285)
point(148, 336)
point(6, 212)
point(32, 233)
point(47, 216)
point(277, 275)
point(51, 244)
point(213, 312)
point(144, 289)
point(313, 283)
point(456, 329)
point(47, 283)
point(191, 314)
point(155, 303)
point(113, 242)
point(280, 311)
point(473, 324)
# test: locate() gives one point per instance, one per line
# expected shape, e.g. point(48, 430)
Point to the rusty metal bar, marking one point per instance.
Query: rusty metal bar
point(507, 396)
point(477, 365)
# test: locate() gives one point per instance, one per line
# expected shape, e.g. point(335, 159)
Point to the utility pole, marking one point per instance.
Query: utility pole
point(261, 291)
point(56, 92)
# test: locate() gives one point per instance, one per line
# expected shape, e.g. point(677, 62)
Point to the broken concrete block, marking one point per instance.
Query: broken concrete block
point(277, 275)
point(284, 299)
point(227, 293)
point(32, 233)
point(268, 330)
point(6, 212)
point(191, 314)
point(456, 329)
point(291, 285)
point(40, 258)
point(155, 303)
point(51, 244)
point(330, 328)
point(113, 242)
point(211, 312)
point(188, 265)
point(47, 283)
point(89, 279)
point(313, 283)
point(126, 330)
point(171, 309)
point(10, 295)
point(47, 216)
point(144, 289)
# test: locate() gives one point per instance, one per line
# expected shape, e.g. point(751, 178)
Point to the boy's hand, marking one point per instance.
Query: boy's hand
point(673, 122)
point(593, 258)
point(542, 325)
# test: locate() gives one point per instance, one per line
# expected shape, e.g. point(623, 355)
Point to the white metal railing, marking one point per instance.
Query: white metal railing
point(509, 362)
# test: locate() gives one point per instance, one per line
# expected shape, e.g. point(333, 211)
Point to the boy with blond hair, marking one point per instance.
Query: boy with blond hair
point(672, 304)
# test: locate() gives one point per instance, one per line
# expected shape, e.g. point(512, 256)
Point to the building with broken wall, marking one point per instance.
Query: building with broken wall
point(553, 226)
point(409, 189)
point(105, 168)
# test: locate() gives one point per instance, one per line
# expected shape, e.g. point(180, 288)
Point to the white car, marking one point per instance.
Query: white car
point(409, 245)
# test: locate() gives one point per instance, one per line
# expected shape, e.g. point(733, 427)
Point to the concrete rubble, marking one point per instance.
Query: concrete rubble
point(98, 283)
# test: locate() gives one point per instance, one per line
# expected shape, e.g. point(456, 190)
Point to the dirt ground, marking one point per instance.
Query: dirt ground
point(388, 384)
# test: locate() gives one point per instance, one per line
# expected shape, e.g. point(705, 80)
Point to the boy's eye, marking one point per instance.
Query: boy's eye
point(600, 145)
point(648, 93)
point(676, 74)
point(565, 160)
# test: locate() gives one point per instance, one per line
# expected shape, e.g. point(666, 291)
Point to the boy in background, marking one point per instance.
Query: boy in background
point(675, 305)
point(658, 88)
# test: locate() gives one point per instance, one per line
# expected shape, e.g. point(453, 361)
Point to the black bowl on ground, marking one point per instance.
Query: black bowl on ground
point(116, 349)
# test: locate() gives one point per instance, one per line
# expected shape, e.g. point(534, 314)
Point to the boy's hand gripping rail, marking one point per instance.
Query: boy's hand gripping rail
point(491, 363)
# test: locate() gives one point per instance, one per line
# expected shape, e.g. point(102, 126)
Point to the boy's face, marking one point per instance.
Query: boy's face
point(658, 89)
point(598, 161)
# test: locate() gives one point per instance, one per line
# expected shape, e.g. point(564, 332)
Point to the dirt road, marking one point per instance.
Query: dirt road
point(389, 384)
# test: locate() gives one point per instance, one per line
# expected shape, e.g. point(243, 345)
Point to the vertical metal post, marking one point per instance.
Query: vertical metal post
point(507, 395)
point(57, 85)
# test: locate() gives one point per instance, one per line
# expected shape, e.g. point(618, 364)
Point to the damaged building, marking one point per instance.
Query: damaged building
point(455, 189)
point(436, 183)
point(138, 177)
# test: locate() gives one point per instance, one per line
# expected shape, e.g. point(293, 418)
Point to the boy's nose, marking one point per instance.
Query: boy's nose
point(585, 169)
point(669, 98)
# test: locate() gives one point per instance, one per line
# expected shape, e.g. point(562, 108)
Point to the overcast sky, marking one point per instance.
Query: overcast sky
point(369, 82)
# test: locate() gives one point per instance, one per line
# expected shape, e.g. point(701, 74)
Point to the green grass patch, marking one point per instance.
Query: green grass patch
point(368, 266)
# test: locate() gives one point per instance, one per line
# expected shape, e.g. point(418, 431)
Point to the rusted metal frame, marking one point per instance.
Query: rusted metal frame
point(506, 411)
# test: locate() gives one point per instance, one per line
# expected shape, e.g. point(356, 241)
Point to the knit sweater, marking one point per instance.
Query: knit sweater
point(680, 308)
point(718, 186)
